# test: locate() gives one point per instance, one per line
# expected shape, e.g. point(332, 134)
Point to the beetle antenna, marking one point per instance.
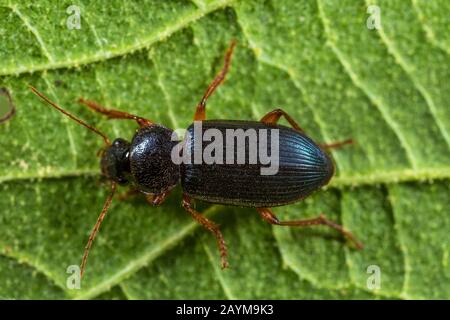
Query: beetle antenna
point(54, 105)
point(96, 228)
point(12, 110)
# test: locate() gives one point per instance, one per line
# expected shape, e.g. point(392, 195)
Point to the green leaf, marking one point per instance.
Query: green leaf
point(386, 89)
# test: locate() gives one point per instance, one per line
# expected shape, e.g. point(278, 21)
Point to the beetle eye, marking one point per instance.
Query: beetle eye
point(122, 180)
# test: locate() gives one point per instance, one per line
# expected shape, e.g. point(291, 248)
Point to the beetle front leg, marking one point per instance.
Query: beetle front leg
point(200, 112)
point(211, 226)
point(267, 215)
point(157, 199)
point(115, 114)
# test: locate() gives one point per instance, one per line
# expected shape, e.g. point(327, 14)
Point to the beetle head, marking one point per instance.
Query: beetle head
point(115, 162)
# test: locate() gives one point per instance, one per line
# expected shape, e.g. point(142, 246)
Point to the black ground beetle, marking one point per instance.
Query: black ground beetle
point(146, 164)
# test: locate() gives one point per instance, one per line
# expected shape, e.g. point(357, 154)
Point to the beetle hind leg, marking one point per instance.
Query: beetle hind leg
point(268, 216)
point(211, 226)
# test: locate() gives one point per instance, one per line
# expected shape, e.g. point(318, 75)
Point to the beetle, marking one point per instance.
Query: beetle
point(146, 163)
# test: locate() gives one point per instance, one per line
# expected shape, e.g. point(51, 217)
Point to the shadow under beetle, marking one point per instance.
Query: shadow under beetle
point(146, 164)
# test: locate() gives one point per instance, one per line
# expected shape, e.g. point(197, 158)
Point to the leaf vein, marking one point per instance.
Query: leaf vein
point(159, 35)
point(73, 149)
point(399, 59)
point(34, 31)
point(359, 84)
point(429, 32)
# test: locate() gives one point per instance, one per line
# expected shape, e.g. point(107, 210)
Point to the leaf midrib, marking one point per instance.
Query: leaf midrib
point(342, 181)
point(164, 32)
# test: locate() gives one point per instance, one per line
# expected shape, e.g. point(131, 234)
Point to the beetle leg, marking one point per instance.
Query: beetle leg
point(157, 199)
point(336, 145)
point(200, 112)
point(115, 114)
point(211, 226)
point(273, 116)
point(267, 215)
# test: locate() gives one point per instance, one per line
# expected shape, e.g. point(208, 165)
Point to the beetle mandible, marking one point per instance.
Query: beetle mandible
point(146, 164)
